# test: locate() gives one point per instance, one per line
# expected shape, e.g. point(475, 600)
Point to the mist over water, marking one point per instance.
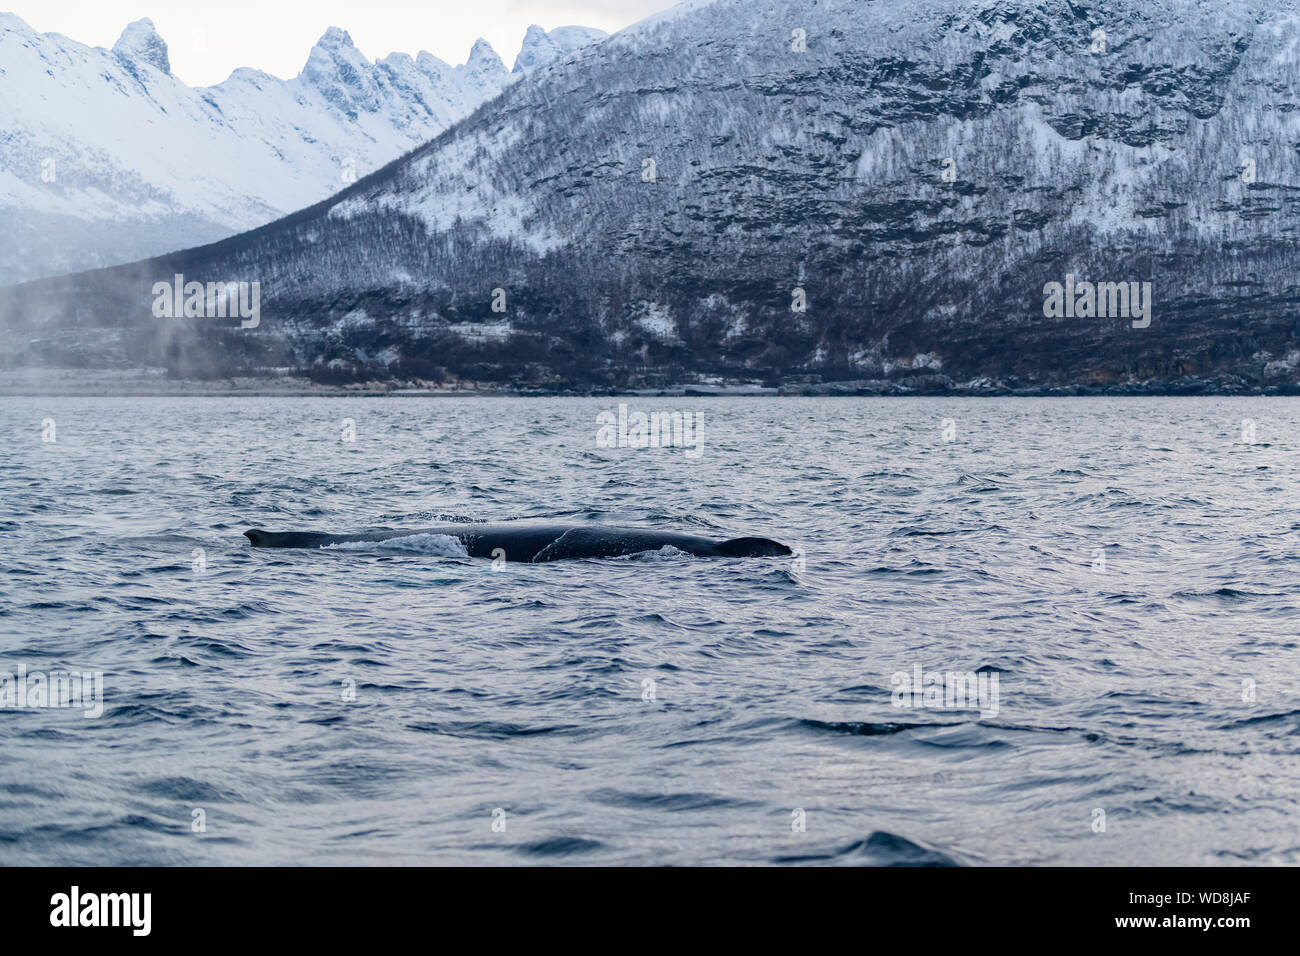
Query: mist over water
point(1126, 567)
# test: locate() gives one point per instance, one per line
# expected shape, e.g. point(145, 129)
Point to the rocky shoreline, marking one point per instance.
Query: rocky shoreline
point(156, 383)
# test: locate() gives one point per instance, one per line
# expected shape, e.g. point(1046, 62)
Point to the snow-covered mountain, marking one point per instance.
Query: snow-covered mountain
point(794, 191)
point(107, 157)
point(541, 48)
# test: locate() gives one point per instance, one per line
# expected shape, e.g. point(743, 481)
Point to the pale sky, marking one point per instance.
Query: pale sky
point(208, 39)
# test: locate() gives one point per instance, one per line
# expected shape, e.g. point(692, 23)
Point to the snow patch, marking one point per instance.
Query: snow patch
point(658, 321)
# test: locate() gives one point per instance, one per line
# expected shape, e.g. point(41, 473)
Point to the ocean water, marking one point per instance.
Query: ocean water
point(1119, 577)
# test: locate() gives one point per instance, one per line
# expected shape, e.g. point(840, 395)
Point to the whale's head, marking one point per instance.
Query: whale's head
point(287, 539)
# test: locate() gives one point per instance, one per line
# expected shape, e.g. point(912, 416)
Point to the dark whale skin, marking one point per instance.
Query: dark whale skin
point(539, 542)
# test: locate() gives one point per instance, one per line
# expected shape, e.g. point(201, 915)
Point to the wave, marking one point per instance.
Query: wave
point(492, 730)
point(671, 802)
point(666, 553)
point(864, 728)
point(435, 545)
point(1227, 593)
point(438, 517)
point(561, 846)
point(881, 848)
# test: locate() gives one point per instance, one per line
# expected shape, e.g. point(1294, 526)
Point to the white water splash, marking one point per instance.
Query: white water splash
point(436, 545)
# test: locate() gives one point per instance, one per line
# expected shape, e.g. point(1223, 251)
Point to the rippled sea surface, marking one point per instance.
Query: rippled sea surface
point(1127, 568)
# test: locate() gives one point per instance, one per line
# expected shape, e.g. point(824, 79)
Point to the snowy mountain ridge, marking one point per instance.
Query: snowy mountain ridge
point(108, 157)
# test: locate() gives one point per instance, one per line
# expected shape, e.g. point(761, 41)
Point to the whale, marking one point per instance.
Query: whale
point(535, 543)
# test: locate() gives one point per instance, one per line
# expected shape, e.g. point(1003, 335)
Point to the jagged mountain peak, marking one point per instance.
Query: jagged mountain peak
point(342, 74)
point(335, 37)
point(483, 58)
point(141, 43)
point(335, 46)
point(538, 48)
point(541, 47)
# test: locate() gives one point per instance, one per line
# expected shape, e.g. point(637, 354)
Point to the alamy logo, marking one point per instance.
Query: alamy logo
point(213, 300)
point(1103, 300)
point(947, 690)
point(103, 909)
point(73, 690)
point(652, 430)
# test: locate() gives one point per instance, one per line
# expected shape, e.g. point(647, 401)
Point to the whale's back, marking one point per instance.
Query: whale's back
point(525, 541)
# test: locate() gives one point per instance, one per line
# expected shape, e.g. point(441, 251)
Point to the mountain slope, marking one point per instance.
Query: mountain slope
point(106, 157)
point(920, 172)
